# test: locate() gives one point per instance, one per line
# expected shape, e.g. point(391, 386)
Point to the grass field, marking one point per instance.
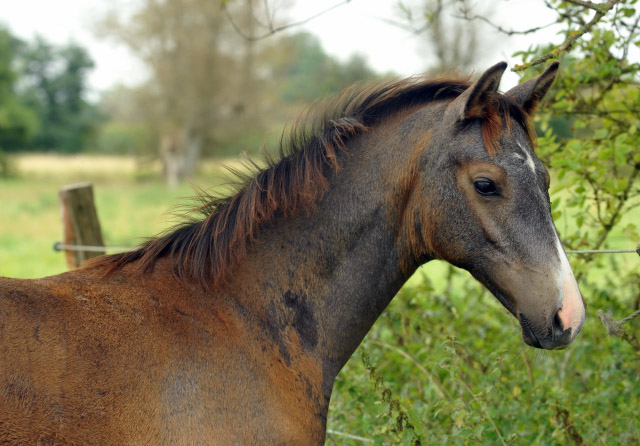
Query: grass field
point(444, 362)
point(132, 205)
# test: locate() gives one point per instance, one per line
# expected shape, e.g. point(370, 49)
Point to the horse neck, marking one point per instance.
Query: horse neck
point(331, 271)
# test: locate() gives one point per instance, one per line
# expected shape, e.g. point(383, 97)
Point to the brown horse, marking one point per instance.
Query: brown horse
point(230, 329)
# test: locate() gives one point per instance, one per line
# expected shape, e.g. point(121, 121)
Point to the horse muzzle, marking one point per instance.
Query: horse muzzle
point(554, 337)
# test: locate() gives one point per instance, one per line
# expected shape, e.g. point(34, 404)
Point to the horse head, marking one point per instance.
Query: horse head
point(489, 209)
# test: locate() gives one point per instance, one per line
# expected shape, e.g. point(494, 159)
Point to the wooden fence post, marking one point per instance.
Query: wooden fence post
point(80, 222)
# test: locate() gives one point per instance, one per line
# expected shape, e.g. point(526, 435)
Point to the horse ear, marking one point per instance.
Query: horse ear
point(528, 94)
point(471, 103)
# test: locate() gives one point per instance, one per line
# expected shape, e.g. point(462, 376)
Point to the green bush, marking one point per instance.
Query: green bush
point(445, 365)
point(119, 138)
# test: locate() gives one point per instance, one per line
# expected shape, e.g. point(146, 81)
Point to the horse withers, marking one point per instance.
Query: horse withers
point(230, 329)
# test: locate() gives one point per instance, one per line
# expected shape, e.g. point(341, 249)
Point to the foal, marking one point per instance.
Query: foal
point(231, 330)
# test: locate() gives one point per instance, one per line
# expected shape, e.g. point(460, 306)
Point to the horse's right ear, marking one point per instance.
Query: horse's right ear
point(528, 94)
point(471, 103)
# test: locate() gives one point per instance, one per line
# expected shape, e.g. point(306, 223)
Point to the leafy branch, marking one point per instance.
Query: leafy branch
point(601, 11)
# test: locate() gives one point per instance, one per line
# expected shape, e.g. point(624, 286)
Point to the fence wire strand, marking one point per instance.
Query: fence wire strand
point(58, 246)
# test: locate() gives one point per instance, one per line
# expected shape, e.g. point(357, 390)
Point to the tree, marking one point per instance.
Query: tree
point(17, 122)
point(53, 83)
point(303, 72)
point(214, 87)
point(127, 130)
point(200, 70)
point(453, 43)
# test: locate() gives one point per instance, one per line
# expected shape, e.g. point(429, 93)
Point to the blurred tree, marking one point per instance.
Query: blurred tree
point(127, 130)
point(17, 122)
point(451, 41)
point(201, 73)
point(304, 72)
point(53, 84)
point(212, 88)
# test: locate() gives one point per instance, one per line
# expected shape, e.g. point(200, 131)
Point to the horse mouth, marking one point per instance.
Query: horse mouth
point(552, 341)
point(551, 338)
point(528, 334)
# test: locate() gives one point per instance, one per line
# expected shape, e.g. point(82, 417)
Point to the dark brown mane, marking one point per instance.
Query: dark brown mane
point(205, 250)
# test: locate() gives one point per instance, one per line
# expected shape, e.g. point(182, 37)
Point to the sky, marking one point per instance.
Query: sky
point(360, 26)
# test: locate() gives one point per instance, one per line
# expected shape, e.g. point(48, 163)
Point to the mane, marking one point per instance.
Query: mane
point(205, 248)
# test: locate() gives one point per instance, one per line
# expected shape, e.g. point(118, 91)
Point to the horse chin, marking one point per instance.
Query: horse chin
point(533, 341)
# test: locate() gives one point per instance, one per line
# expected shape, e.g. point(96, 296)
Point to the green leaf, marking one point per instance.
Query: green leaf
point(630, 231)
point(563, 172)
point(622, 184)
point(459, 418)
point(605, 154)
point(628, 12)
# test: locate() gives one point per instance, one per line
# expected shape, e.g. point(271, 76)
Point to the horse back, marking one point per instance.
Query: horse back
point(55, 346)
point(133, 360)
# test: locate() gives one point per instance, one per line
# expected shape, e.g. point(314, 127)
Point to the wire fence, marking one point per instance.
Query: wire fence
point(59, 246)
point(605, 251)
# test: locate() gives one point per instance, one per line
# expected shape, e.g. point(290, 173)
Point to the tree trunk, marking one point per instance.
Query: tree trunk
point(180, 156)
point(191, 155)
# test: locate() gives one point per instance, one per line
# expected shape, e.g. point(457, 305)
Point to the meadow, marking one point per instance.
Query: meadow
point(132, 204)
point(444, 365)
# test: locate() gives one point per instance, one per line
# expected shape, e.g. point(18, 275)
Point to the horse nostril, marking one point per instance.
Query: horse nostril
point(556, 323)
point(561, 337)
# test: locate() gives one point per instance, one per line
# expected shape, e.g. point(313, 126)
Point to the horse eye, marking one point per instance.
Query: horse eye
point(485, 187)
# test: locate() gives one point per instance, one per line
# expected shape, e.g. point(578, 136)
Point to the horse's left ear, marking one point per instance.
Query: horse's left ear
point(471, 103)
point(528, 94)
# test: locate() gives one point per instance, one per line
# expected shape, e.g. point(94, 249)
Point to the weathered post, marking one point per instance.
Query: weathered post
point(80, 222)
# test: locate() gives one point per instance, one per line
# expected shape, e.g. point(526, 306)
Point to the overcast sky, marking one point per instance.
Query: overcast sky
point(359, 26)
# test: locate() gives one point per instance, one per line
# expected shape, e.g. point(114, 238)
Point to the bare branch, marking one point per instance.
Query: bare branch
point(509, 32)
point(614, 327)
point(627, 43)
point(403, 25)
point(276, 29)
point(573, 37)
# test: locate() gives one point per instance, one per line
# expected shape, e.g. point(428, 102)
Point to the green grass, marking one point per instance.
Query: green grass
point(129, 208)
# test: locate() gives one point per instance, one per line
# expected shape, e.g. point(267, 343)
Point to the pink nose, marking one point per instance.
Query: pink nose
point(572, 312)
